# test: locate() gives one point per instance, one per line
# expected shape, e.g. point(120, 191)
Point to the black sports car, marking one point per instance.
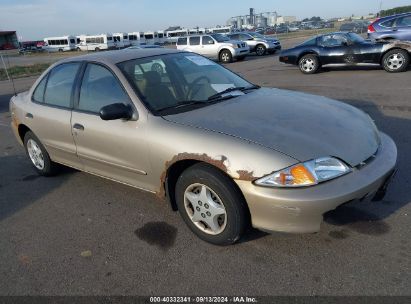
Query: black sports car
point(346, 48)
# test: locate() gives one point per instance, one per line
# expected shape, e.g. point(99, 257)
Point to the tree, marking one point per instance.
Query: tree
point(395, 10)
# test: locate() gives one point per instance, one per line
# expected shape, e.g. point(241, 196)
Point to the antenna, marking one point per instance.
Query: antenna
point(9, 76)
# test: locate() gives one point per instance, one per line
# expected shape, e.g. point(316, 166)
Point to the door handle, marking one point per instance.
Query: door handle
point(78, 127)
point(29, 115)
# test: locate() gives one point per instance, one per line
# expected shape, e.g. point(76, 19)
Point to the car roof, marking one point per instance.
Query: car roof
point(394, 16)
point(116, 56)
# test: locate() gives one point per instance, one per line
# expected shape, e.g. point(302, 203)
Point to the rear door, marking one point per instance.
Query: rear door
point(195, 45)
point(50, 113)
point(403, 28)
point(116, 149)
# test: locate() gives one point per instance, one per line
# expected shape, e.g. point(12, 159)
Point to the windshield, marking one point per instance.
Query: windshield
point(220, 37)
point(356, 38)
point(257, 35)
point(176, 80)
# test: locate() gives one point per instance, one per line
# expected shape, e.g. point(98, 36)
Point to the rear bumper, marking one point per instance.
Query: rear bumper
point(301, 210)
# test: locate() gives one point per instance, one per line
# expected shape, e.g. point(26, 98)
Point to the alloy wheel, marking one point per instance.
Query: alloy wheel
point(307, 65)
point(205, 209)
point(35, 154)
point(395, 61)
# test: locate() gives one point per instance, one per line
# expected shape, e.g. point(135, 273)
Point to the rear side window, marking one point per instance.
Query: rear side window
point(38, 94)
point(100, 88)
point(389, 23)
point(309, 42)
point(60, 85)
point(182, 41)
point(194, 40)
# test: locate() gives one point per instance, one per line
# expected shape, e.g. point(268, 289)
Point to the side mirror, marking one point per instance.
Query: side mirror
point(251, 38)
point(116, 111)
point(210, 41)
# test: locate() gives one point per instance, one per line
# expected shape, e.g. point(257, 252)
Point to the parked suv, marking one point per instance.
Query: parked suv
point(257, 42)
point(355, 27)
point(391, 27)
point(216, 46)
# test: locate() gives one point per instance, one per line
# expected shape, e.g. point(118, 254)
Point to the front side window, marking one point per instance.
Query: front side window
point(333, 40)
point(207, 40)
point(167, 81)
point(195, 40)
point(60, 85)
point(100, 88)
point(235, 37)
point(38, 94)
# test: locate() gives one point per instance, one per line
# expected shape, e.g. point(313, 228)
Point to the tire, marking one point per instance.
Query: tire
point(97, 49)
point(38, 155)
point(78, 49)
point(309, 64)
point(60, 50)
point(222, 196)
point(260, 49)
point(241, 58)
point(225, 56)
point(396, 61)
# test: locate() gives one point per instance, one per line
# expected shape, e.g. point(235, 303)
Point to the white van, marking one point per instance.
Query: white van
point(172, 36)
point(136, 38)
point(121, 40)
point(161, 37)
point(151, 37)
point(60, 44)
point(95, 42)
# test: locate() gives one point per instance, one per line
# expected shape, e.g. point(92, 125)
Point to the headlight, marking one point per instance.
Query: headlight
point(306, 174)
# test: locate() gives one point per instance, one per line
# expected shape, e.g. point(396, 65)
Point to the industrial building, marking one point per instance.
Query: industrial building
point(254, 20)
point(8, 40)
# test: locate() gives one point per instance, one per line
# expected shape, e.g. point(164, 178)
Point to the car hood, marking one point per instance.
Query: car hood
point(299, 125)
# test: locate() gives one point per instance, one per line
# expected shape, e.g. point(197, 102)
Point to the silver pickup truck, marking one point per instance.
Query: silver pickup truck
point(216, 46)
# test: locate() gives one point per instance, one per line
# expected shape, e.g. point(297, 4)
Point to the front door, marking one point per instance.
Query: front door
point(209, 47)
point(116, 149)
point(335, 49)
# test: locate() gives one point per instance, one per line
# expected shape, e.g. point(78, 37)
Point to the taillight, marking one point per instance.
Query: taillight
point(371, 28)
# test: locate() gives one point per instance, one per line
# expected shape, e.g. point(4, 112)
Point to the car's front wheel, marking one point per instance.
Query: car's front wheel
point(396, 61)
point(260, 50)
point(211, 205)
point(38, 155)
point(225, 56)
point(309, 64)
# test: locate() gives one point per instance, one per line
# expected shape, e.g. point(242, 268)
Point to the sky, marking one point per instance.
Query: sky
point(36, 19)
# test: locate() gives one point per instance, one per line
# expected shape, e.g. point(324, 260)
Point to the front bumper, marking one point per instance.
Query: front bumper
point(273, 47)
point(301, 210)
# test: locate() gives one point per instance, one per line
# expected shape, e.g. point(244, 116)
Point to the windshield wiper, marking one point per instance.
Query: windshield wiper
point(183, 104)
point(231, 89)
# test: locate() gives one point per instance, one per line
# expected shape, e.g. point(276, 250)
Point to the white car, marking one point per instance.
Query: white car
point(216, 46)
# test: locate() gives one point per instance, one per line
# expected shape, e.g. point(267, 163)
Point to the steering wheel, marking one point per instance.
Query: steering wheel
point(191, 92)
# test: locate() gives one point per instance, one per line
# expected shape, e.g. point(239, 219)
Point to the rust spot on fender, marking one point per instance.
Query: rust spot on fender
point(219, 163)
point(246, 175)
